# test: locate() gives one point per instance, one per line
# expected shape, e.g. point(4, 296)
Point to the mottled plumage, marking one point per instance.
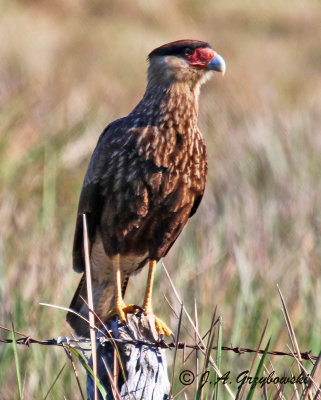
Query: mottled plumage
point(146, 177)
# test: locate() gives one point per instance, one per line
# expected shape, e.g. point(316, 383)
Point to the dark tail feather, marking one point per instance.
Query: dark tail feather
point(77, 304)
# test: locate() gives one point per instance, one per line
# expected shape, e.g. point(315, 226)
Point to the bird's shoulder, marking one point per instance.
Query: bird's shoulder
point(113, 141)
point(117, 159)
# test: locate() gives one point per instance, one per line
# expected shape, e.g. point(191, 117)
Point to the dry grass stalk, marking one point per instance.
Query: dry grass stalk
point(197, 333)
point(74, 368)
point(90, 304)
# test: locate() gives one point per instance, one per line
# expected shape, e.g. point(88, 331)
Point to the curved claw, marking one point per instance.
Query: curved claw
point(117, 312)
point(131, 309)
point(161, 327)
point(121, 311)
point(139, 308)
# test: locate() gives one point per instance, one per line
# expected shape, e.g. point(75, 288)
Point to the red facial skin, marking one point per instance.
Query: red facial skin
point(201, 57)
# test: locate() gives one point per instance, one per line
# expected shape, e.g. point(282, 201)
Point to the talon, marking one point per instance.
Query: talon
point(119, 311)
point(161, 327)
point(122, 310)
point(131, 309)
point(141, 309)
point(163, 343)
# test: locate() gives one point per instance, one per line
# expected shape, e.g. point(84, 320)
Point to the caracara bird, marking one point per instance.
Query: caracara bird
point(145, 179)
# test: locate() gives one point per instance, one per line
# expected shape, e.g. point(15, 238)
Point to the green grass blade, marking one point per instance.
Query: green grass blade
point(218, 358)
point(209, 352)
point(258, 372)
point(313, 372)
point(176, 347)
point(242, 389)
point(88, 368)
point(16, 360)
point(206, 361)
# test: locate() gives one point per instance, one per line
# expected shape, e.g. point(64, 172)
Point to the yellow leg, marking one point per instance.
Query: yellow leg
point(149, 288)
point(120, 308)
point(161, 328)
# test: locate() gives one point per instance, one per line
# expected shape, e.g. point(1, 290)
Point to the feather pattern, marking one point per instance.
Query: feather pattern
point(145, 178)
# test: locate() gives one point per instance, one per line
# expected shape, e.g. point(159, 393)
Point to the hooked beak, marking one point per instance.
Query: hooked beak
point(217, 64)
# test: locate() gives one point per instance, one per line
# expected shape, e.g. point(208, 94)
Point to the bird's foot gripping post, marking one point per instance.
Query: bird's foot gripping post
point(160, 326)
point(121, 310)
point(139, 363)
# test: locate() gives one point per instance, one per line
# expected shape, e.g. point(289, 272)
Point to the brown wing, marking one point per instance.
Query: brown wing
point(135, 193)
point(116, 192)
point(102, 165)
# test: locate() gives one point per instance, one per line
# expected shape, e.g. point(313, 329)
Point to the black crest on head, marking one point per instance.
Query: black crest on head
point(177, 48)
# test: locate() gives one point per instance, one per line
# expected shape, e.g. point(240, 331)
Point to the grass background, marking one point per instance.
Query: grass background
point(68, 68)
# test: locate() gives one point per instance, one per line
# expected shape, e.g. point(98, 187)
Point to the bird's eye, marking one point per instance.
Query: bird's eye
point(188, 52)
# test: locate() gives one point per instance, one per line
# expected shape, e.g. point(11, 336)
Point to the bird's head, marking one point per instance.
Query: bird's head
point(188, 61)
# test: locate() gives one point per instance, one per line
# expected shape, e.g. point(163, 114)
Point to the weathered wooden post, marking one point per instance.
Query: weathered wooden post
point(144, 365)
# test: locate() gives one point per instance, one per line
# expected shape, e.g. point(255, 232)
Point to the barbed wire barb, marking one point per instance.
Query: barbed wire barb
point(27, 340)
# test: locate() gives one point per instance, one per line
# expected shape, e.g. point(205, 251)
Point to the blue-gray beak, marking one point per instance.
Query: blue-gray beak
point(217, 64)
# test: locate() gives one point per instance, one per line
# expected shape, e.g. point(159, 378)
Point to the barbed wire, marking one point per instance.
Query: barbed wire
point(26, 340)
